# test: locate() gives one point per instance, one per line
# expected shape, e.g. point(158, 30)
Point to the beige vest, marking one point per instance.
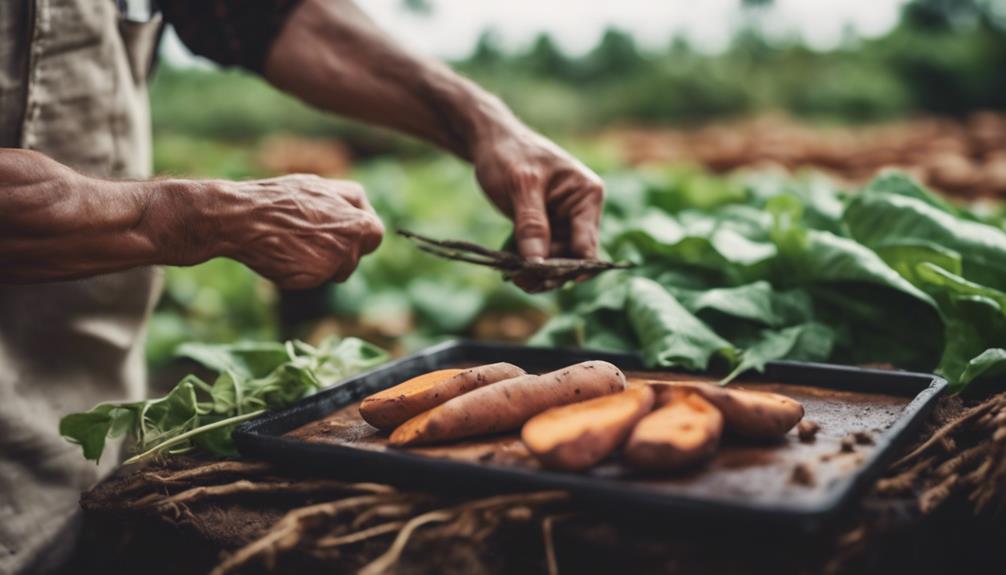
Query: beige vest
point(73, 86)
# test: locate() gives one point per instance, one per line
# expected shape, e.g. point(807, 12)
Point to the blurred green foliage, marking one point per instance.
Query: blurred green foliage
point(944, 57)
point(943, 62)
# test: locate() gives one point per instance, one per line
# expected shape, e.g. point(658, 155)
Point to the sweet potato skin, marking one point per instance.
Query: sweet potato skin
point(577, 436)
point(681, 434)
point(759, 415)
point(507, 404)
point(391, 407)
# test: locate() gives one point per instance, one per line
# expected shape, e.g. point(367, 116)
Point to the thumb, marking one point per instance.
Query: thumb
point(531, 225)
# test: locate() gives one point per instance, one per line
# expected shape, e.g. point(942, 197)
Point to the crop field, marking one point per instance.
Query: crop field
point(724, 172)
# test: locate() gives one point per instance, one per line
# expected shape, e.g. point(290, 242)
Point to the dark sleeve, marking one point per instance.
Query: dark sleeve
point(229, 32)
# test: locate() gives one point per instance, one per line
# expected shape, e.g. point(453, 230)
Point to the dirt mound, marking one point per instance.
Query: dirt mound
point(963, 158)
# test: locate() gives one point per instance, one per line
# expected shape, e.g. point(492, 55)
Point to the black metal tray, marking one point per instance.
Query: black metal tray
point(265, 438)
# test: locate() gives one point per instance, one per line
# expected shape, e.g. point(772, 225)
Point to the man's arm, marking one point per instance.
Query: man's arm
point(332, 55)
point(56, 224)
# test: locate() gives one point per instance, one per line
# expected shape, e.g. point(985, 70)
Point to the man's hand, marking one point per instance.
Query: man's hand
point(554, 201)
point(56, 224)
point(300, 231)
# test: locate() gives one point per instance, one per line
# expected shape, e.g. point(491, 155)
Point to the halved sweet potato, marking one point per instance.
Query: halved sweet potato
point(577, 436)
point(747, 413)
point(684, 432)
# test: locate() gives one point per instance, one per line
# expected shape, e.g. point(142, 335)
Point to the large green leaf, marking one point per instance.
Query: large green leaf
point(808, 342)
point(875, 324)
point(990, 363)
point(823, 257)
point(668, 333)
point(90, 429)
point(905, 256)
point(758, 302)
point(701, 242)
point(937, 278)
point(250, 358)
point(876, 218)
point(898, 183)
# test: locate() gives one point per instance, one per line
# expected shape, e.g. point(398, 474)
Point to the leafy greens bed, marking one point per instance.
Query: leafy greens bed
point(737, 273)
point(252, 377)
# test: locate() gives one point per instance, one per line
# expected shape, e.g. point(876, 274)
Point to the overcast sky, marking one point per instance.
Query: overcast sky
point(453, 27)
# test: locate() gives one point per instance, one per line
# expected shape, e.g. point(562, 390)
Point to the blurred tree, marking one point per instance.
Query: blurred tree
point(421, 7)
point(487, 51)
point(545, 58)
point(941, 14)
point(950, 54)
point(616, 55)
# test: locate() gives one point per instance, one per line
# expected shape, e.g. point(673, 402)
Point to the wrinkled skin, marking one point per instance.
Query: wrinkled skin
point(298, 231)
point(303, 230)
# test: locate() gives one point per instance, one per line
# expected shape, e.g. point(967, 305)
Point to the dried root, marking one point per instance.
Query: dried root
point(942, 435)
point(934, 473)
point(289, 532)
point(463, 522)
point(300, 528)
point(245, 487)
point(547, 529)
point(209, 471)
point(535, 276)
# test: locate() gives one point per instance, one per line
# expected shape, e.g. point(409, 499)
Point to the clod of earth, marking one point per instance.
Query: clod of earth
point(807, 430)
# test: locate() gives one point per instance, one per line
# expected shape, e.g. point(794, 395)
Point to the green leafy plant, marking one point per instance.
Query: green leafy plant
point(253, 377)
point(794, 269)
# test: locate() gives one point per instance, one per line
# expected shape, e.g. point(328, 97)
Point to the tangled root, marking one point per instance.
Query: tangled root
point(289, 531)
point(463, 521)
point(934, 473)
point(245, 487)
point(300, 528)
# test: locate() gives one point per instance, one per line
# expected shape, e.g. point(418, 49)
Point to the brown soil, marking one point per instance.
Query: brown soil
point(961, 158)
point(937, 510)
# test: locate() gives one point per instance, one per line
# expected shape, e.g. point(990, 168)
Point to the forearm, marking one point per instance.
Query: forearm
point(56, 224)
point(332, 55)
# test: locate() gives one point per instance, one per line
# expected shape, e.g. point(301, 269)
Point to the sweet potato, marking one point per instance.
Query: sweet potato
point(506, 405)
point(684, 432)
point(752, 414)
point(577, 436)
point(391, 407)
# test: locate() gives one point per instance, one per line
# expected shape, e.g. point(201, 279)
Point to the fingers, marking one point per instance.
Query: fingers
point(298, 282)
point(584, 224)
point(531, 229)
point(371, 233)
point(356, 195)
point(577, 206)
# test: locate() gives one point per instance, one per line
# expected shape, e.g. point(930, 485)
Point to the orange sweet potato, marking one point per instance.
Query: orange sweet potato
point(747, 413)
point(391, 407)
point(684, 432)
point(507, 404)
point(577, 436)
